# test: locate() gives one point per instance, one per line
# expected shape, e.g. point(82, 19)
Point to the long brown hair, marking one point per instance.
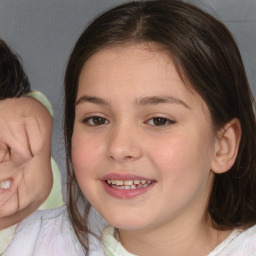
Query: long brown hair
point(206, 55)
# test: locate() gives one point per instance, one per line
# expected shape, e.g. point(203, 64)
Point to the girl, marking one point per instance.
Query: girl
point(160, 137)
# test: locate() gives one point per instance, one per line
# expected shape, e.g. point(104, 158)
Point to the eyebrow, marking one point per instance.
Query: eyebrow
point(92, 99)
point(153, 100)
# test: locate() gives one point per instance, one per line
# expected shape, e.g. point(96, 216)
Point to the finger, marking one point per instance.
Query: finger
point(4, 152)
point(38, 131)
point(18, 143)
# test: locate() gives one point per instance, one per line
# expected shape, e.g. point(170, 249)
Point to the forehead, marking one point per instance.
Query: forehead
point(127, 62)
point(138, 69)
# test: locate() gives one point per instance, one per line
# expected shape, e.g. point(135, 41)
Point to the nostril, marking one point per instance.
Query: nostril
point(121, 157)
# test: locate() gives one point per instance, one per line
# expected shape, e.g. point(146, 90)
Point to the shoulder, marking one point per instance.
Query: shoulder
point(244, 243)
point(41, 218)
point(49, 232)
point(46, 232)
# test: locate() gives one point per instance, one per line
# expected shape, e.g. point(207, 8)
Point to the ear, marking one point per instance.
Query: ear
point(226, 146)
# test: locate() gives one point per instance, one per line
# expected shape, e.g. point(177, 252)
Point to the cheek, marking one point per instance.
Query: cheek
point(85, 155)
point(169, 151)
point(182, 154)
point(82, 165)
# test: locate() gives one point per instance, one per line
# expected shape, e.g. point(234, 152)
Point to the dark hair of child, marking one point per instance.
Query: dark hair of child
point(13, 80)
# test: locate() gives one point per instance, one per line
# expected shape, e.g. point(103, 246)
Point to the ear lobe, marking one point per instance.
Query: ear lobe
point(226, 146)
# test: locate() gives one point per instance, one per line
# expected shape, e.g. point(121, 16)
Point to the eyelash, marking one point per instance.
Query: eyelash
point(91, 121)
point(163, 121)
point(99, 121)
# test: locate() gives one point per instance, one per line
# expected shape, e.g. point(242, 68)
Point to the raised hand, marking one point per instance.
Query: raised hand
point(25, 158)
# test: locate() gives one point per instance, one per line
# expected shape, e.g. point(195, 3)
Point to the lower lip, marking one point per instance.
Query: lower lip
point(126, 193)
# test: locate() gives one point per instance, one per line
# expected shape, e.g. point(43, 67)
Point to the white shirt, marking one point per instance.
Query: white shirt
point(238, 243)
point(49, 233)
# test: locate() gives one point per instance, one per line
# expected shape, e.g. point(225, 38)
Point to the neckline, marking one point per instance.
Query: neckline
point(222, 245)
point(113, 246)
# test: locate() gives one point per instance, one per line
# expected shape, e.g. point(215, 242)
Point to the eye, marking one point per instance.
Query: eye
point(95, 121)
point(160, 121)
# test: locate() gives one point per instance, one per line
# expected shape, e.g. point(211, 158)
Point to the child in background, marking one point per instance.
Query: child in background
point(160, 139)
point(27, 178)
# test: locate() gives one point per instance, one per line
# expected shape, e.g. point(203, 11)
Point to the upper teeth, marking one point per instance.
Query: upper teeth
point(5, 184)
point(128, 182)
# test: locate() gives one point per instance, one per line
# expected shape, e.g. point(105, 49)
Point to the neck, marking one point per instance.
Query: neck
point(189, 238)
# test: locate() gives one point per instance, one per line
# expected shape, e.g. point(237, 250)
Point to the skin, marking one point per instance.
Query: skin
point(25, 153)
point(177, 152)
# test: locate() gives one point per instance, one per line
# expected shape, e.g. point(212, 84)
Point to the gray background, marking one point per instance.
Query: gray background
point(44, 32)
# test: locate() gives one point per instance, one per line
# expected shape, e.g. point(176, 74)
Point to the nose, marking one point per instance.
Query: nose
point(124, 145)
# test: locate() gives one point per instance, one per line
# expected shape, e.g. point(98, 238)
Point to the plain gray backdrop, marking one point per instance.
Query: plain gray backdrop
point(44, 32)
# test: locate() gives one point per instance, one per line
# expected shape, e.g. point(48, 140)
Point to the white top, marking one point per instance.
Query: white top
point(49, 233)
point(238, 243)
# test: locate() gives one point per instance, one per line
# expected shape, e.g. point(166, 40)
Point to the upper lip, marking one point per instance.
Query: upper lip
point(119, 176)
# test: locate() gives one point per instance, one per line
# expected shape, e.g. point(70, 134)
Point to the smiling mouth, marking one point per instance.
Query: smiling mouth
point(128, 184)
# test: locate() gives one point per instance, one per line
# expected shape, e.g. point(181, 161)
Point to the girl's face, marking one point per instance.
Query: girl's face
point(142, 145)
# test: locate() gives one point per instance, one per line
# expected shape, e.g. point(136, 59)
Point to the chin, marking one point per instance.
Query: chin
point(127, 222)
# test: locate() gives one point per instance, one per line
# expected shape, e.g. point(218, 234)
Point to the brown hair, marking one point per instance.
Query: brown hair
point(13, 80)
point(206, 55)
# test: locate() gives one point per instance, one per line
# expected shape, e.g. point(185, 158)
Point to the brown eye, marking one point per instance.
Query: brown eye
point(160, 121)
point(98, 120)
point(95, 121)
